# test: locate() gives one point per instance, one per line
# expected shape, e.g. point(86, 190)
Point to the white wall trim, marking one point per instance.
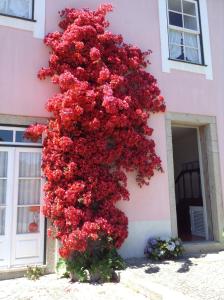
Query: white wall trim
point(211, 167)
point(168, 65)
point(206, 38)
point(164, 36)
point(39, 15)
point(38, 27)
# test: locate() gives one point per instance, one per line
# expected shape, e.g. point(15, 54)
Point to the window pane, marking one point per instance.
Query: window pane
point(6, 135)
point(20, 138)
point(190, 23)
point(175, 37)
point(3, 164)
point(175, 19)
point(176, 52)
point(189, 8)
point(3, 6)
point(3, 183)
point(2, 220)
point(29, 164)
point(174, 5)
point(29, 191)
point(190, 40)
point(20, 8)
point(192, 55)
point(28, 219)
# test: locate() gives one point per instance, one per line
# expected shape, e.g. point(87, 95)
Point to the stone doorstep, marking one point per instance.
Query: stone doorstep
point(202, 247)
point(15, 272)
point(151, 290)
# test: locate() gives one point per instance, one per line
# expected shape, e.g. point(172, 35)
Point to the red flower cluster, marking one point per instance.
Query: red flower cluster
point(98, 129)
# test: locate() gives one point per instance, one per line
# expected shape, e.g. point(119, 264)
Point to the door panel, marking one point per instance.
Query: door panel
point(21, 224)
point(28, 222)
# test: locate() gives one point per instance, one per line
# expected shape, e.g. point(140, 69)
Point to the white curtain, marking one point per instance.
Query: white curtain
point(19, 8)
point(192, 55)
point(3, 164)
point(175, 37)
point(183, 46)
point(2, 220)
point(175, 44)
point(29, 164)
point(191, 49)
point(190, 40)
point(3, 182)
point(28, 191)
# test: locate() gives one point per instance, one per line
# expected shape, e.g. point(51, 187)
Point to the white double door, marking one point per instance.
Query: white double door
point(21, 223)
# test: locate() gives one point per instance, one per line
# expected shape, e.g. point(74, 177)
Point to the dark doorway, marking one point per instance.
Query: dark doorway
point(188, 188)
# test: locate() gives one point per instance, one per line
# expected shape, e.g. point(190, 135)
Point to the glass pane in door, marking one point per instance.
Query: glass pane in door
point(29, 187)
point(28, 219)
point(2, 220)
point(3, 184)
point(29, 191)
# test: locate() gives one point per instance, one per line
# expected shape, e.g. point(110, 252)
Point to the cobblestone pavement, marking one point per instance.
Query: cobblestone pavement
point(198, 277)
point(201, 278)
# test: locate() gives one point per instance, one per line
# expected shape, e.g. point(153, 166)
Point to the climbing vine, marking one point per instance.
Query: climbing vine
point(98, 130)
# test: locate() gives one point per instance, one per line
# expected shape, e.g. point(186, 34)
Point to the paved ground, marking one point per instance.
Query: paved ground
point(50, 287)
point(201, 278)
point(198, 277)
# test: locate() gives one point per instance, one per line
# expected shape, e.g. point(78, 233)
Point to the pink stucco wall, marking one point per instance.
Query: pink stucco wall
point(138, 21)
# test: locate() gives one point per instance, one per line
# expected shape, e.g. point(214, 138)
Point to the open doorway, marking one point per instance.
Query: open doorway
point(191, 212)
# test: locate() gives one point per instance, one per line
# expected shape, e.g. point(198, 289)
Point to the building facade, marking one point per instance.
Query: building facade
point(185, 200)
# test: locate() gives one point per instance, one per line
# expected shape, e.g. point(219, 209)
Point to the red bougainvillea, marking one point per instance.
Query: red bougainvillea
point(98, 130)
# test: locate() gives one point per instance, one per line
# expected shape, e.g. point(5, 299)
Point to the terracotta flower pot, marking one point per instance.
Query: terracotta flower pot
point(33, 227)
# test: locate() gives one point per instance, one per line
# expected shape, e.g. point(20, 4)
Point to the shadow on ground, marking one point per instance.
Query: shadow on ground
point(151, 267)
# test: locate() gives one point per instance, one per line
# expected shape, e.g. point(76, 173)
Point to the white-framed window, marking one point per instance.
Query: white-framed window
point(18, 8)
point(26, 15)
point(184, 36)
point(184, 31)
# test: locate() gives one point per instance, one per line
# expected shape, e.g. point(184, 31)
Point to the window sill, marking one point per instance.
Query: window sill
point(187, 62)
point(18, 23)
point(17, 17)
point(187, 66)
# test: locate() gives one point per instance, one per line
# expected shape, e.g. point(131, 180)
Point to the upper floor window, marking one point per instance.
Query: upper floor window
point(18, 8)
point(184, 31)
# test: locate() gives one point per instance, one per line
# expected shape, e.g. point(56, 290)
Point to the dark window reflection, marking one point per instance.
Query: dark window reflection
point(175, 19)
point(6, 136)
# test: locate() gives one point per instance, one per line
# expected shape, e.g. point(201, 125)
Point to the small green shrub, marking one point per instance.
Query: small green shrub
point(98, 265)
point(34, 272)
point(104, 269)
point(164, 248)
point(61, 268)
